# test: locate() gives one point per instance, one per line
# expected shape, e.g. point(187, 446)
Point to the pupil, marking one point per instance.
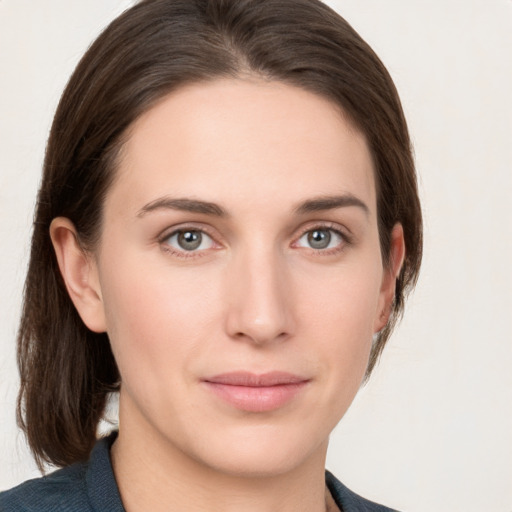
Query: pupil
point(189, 240)
point(319, 239)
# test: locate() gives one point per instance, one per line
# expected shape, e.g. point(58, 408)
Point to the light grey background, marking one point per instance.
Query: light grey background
point(433, 428)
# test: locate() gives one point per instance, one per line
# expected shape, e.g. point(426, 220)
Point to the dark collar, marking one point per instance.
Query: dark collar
point(101, 484)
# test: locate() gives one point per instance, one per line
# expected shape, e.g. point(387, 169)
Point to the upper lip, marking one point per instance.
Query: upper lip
point(242, 378)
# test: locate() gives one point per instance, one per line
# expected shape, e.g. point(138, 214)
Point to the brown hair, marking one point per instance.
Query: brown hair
point(153, 48)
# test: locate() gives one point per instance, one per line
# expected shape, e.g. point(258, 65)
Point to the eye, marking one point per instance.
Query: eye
point(189, 240)
point(321, 239)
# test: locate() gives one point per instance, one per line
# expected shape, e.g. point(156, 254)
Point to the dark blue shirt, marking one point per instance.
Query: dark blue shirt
point(91, 487)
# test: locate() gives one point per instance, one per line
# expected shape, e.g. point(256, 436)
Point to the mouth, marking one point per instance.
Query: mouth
point(256, 392)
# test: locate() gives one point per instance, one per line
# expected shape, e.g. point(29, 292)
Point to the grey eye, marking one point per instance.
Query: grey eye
point(190, 240)
point(319, 238)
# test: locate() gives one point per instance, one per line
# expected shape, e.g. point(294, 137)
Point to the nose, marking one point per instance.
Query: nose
point(260, 299)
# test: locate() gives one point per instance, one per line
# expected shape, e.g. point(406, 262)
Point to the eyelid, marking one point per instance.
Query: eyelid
point(334, 226)
point(340, 230)
point(184, 226)
point(189, 226)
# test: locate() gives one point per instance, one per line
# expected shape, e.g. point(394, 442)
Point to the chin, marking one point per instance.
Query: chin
point(270, 452)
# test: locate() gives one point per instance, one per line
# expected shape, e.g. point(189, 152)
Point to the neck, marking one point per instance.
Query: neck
point(152, 474)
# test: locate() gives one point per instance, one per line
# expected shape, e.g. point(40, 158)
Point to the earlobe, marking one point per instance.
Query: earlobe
point(79, 272)
point(391, 273)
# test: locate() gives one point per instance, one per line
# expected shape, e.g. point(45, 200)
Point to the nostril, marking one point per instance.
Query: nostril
point(261, 337)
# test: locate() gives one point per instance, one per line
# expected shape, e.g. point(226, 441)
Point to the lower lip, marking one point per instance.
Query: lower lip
point(257, 398)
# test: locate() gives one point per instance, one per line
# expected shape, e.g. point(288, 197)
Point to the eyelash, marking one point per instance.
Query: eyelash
point(346, 240)
point(163, 241)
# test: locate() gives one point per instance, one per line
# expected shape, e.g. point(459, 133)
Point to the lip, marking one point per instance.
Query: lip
point(256, 392)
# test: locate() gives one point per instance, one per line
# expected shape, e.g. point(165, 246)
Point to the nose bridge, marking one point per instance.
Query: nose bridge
point(260, 305)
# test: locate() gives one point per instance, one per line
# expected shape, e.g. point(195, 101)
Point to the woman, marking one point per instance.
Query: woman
point(227, 226)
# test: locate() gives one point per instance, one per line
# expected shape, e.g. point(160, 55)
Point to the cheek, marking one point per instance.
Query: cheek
point(344, 300)
point(156, 315)
point(338, 311)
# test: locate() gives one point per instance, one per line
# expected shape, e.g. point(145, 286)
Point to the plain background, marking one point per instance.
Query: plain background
point(433, 428)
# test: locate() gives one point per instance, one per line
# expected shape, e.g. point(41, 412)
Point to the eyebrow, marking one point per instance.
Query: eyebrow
point(317, 204)
point(323, 203)
point(183, 204)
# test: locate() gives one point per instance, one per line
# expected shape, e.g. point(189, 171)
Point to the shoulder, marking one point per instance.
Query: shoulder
point(64, 489)
point(88, 487)
point(349, 501)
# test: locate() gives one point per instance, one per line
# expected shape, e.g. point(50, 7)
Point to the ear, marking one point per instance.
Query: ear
point(389, 277)
point(79, 272)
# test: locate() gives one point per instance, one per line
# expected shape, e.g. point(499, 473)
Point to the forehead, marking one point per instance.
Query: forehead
point(244, 141)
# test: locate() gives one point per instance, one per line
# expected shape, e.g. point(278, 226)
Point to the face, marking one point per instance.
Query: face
point(239, 274)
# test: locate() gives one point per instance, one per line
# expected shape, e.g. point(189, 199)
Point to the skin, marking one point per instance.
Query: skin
point(255, 296)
